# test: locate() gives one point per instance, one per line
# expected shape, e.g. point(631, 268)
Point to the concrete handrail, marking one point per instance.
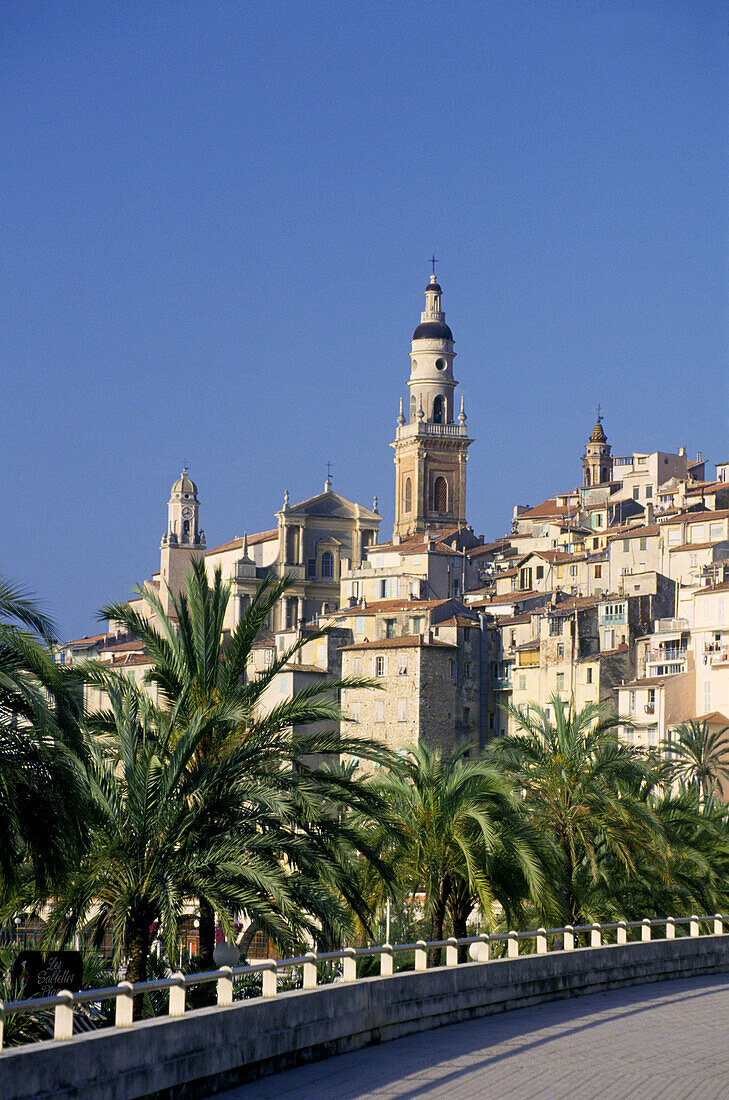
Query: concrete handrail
point(123, 994)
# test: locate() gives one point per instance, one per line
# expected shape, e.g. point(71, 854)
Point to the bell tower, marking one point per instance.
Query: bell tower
point(182, 539)
point(597, 461)
point(431, 444)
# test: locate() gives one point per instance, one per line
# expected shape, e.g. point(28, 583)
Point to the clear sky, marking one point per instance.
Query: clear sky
point(216, 224)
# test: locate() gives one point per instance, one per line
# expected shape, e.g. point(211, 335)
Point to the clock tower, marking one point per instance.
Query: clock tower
point(431, 444)
point(182, 539)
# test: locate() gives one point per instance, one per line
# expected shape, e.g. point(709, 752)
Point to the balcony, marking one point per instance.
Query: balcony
point(422, 427)
point(718, 656)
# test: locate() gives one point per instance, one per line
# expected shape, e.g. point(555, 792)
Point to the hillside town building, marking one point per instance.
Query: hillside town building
point(615, 591)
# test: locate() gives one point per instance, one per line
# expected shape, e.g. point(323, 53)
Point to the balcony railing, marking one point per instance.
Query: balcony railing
point(481, 949)
point(424, 428)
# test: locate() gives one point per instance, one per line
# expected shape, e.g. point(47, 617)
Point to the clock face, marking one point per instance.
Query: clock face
point(187, 511)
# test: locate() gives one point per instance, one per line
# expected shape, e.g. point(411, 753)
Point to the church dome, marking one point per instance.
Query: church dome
point(598, 435)
point(432, 330)
point(184, 484)
point(433, 286)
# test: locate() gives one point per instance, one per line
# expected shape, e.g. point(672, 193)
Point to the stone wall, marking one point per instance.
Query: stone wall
point(213, 1048)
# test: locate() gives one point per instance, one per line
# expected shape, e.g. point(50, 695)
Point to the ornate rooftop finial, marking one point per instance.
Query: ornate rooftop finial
point(286, 498)
point(401, 417)
point(375, 503)
point(462, 413)
point(598, 434)
point(421, 414)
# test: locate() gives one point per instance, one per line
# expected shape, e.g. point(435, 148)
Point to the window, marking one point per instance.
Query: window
point(631, 702)
point(560, 651)
point(359, 625)
point(522, 683)
point(327, 564)
point(380, 666)
point(540, 572)
point(598, 572)
point(311, 567)
point(413, 407)
point(355, 711)
point(707, 696)
point(417, 624)
point(636, 492)
point(379, 711)
point(456, 586)
point(560, 571)
point(673, 536)
point(438, 412)
point(598, 518)
point(716, 531)
point(652, 732)
point(408, 494)
point(402, 665)
point(357, 666)
point(589, 674)
point(644, 544)
point(560, 681)
point(573, 570)
point(629, 734)
point(402, 710)
point(595, 544)
point(385, 589)
point(467, 668)
point(648, 492)
point(389, 628)
point(440, 364)
point(626, 545)
point(525, 577)
point(555, 626)
point(452, 669)
point(440, 495)
point(651, 697)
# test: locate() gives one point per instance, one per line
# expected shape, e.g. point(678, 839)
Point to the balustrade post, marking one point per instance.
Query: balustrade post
point(225, 987)
point(512, 945)
point(387, 959)
point(718, 925)
point(421, 955)
point(269, 985)
point(694, 926)
point(452, 952)
point(670, 929)
point(569, 938)
point(63, 1016)
point(483, 948)
point(541, 941)
point(349, 965)
point(622, 933)
point(309, 971)
point(177, 995)
point(645, 931)
point(124, 1009)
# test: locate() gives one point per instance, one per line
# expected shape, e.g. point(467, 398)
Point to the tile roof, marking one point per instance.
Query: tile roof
point(697, 517)
point(548, 508)
point(379, 607)
point(89, 641)
point(636, 532)
point(236, 544)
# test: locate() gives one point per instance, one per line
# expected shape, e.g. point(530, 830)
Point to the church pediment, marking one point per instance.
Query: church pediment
point(330, 505)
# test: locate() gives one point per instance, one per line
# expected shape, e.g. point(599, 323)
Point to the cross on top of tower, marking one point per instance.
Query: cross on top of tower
point(433, 261)
point(599, 417)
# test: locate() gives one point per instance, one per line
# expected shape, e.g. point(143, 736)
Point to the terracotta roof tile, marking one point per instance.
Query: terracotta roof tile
point(407, 641)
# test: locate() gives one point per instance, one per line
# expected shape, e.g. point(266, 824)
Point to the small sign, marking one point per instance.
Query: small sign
point(34, 974)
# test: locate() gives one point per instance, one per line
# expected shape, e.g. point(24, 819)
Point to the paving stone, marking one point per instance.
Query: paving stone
point(664, 1041)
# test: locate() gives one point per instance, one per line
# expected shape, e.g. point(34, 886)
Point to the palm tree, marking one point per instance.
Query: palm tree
point(167, 822)
point(41, 777)
point(195, 665)
point(699, 756)
point(579, 783)
point(461, 836)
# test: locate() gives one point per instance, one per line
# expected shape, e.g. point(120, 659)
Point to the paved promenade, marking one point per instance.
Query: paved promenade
point(667, 1040)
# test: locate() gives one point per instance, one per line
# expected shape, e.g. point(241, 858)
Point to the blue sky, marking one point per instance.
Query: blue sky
point(215, 232)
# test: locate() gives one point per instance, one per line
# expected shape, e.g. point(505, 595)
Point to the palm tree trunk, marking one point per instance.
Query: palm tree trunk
point(206, 934)
point(437, 925)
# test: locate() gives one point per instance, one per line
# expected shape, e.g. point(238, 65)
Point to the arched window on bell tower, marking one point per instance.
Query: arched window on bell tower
point(438, 410)
point(413, 408)
point(440, 495)
point(408, 495)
